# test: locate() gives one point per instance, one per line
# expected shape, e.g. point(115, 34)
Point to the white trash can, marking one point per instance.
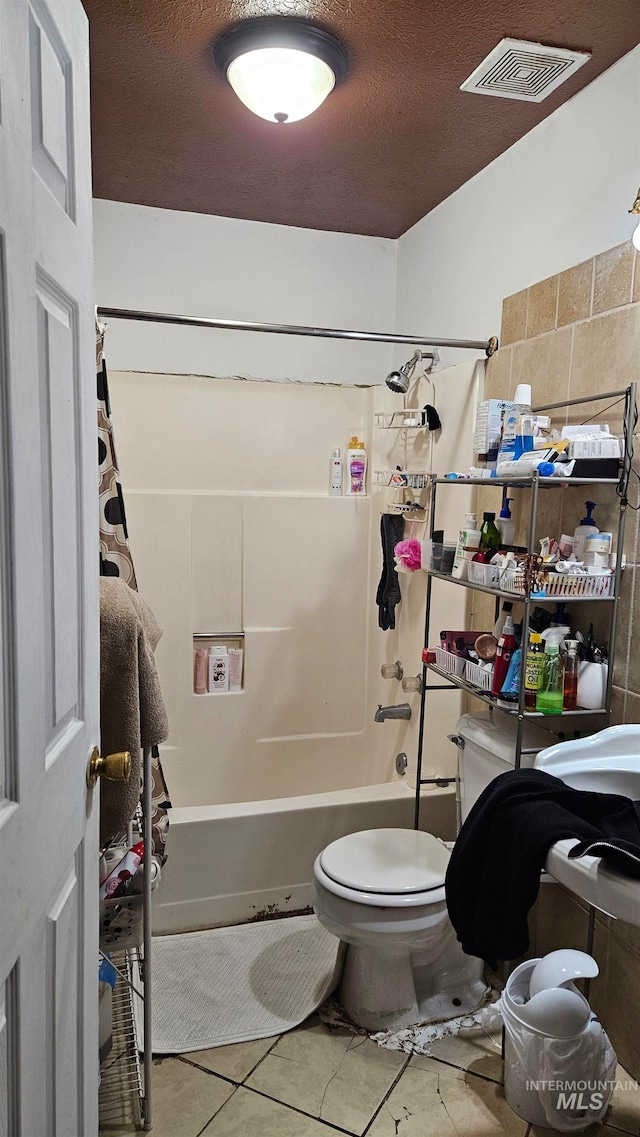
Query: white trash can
point(557, 1083)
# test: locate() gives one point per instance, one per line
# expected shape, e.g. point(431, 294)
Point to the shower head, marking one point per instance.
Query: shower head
point(398, 381)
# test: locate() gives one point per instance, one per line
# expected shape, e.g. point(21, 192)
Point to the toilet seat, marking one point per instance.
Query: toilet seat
point(385, 868)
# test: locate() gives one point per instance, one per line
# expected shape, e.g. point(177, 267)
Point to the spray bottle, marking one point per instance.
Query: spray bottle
point(571, 676)
point(550, 696)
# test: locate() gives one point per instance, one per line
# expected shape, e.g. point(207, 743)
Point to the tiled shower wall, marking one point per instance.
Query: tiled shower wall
point(571, 335)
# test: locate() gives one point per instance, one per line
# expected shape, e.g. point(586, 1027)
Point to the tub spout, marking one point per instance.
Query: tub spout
point(401, 711)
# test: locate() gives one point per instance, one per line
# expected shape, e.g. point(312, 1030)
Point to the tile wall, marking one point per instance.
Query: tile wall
point(576, 334)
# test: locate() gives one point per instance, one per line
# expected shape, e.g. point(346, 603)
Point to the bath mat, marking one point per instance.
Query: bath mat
point(236, 984)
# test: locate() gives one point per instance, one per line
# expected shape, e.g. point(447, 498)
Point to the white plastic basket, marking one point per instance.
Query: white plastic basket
point(454, 664)
point(560, 584)
point(486, 575)
point(480, 676)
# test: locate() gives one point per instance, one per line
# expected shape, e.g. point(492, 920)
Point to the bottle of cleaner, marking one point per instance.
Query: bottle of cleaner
point(550, 697)
point(489, 535)
point(505, 525)
point(570, 686)
point(533, 667)
point(510, 692)
point(509, 449)
point(356, 467)
point(506, 610)
point(335, 482)
point(586, 528)
point(506, 647)
point(468, 539)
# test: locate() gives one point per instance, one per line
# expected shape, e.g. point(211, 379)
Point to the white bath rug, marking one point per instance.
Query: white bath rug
point(236, 984)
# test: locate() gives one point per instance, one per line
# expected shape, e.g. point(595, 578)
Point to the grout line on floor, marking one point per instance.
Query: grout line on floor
point(262, 1058)
point(387, 1095)
point(465, 1070)
point(204, 1070)
point(208, 1123)
point(303, 1112)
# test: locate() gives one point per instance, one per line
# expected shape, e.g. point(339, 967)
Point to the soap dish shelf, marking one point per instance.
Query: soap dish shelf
point(401, 420)
point(401, 479)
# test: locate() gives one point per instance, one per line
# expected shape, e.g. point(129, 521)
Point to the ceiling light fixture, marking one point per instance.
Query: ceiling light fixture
point(282, 69)
point(635, 208)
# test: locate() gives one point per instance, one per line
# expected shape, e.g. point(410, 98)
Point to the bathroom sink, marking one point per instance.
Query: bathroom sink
point(607, 762)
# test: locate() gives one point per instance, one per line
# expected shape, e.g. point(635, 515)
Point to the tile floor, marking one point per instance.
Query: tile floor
point(316, 1081)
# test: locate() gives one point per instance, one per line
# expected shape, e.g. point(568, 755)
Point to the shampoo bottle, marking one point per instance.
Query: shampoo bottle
point(586, 528)
point(335, 484)
point(469, 540)
point(356, 467)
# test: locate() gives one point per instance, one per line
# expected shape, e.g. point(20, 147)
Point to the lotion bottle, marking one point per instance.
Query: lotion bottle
point(505, 524)
point(356, 467)
point(586, 528)
point(468, 539)
point(335, 485)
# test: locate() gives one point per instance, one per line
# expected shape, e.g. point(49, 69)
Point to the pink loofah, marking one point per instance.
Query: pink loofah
point(408, 556)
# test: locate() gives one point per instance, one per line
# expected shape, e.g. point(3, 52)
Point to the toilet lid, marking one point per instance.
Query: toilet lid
point(391, 861)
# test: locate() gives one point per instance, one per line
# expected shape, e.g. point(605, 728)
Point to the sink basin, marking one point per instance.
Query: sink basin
point(607, 762)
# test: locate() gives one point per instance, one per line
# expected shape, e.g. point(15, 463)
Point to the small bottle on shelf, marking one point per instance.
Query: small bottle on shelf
point(534, 664)
point(570, 702)
point(489, 534)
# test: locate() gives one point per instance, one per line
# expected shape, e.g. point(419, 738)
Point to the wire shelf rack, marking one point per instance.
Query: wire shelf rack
point(408, 419)
point(121, 1089)
point(401, 479)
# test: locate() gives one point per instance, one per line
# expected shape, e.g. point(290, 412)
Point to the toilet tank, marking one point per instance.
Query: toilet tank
point(487, 748)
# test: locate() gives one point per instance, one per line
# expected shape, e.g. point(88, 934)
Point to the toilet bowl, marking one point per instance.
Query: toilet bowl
point(381, 892)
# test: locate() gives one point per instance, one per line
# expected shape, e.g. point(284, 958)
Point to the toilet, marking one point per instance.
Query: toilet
point(381, 892)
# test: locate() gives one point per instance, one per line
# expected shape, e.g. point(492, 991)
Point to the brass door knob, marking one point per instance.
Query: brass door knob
point(114, 767)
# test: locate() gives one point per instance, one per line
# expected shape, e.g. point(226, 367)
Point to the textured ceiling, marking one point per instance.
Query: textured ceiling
point(389, 144)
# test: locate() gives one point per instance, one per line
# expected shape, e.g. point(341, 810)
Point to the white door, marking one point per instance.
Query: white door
point(49, 563)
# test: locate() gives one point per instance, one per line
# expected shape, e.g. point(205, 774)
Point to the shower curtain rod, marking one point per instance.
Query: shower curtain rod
point(488, 346)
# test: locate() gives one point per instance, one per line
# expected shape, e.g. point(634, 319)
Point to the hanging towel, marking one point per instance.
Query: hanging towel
point(116, 561)
point(388, 594)
point(494, 872)
point(132, 712)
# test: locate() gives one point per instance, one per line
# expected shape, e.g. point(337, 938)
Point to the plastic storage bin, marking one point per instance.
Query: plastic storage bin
point(485, 575)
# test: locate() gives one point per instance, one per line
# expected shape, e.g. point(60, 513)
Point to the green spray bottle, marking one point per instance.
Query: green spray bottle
point(550, 696)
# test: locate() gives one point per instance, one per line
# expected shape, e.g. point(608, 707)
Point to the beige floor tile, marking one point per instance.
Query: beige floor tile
point(332, 1074)
point(433, 1100)
point(250, 1115)
point(624, 1112)
point(473, 1050)
point(235, 1061)
point(184, 1100)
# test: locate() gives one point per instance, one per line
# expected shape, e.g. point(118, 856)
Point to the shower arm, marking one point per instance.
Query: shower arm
point(489, 346)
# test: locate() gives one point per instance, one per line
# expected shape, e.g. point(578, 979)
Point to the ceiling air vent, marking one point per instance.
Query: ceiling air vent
point(516, 69)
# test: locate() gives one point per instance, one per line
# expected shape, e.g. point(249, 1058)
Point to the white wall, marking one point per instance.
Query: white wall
point(168, 261)
point(555, 198)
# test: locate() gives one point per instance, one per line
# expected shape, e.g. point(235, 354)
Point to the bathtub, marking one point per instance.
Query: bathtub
point(228, 864)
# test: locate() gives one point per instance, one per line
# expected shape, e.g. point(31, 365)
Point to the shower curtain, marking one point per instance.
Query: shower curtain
point(116, 560)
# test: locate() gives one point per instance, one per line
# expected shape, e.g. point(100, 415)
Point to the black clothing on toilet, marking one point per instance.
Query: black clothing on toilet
point(494, 872)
